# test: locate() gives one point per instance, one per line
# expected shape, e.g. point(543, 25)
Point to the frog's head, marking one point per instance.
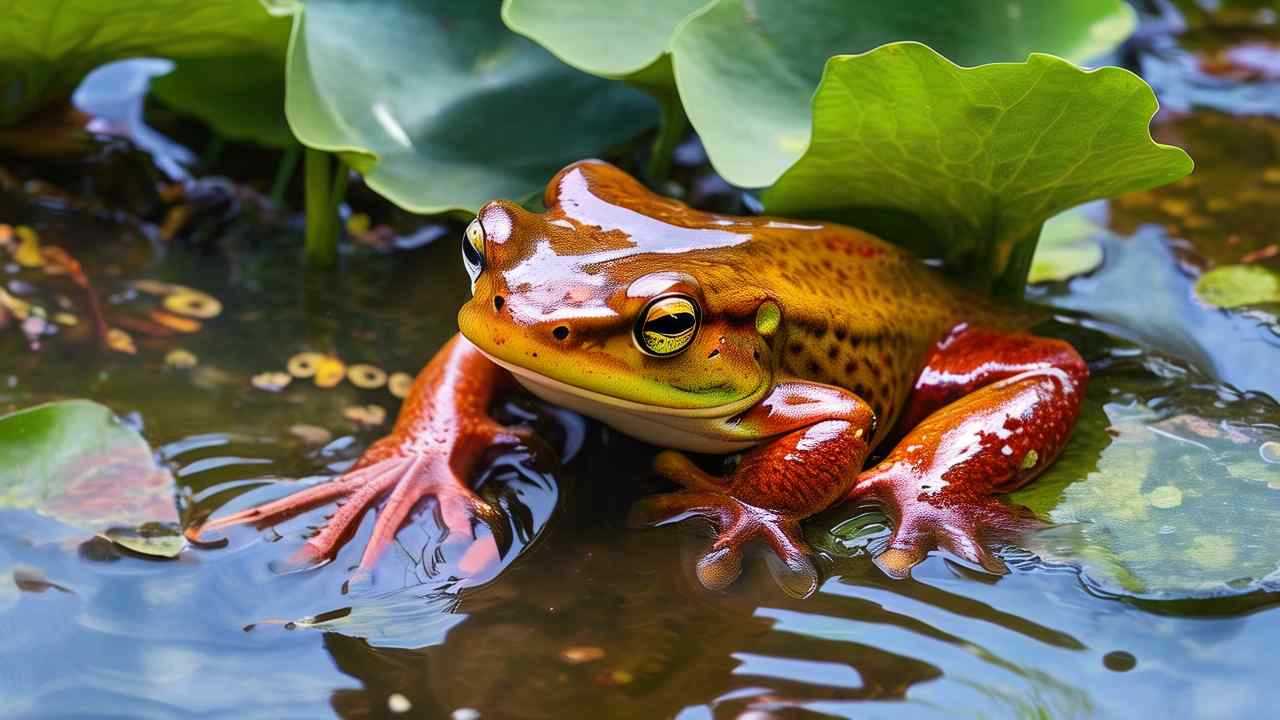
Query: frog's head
point(618, 297)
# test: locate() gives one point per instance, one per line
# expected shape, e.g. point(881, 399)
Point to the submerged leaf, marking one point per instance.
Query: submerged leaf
point(1233, 286)
point(967, 163)
point(74, 462)
point(440, 106)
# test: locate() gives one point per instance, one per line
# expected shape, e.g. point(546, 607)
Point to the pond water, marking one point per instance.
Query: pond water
point(1121, 611)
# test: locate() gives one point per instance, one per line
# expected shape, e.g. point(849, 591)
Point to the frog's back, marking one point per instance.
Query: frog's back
point(861, 313)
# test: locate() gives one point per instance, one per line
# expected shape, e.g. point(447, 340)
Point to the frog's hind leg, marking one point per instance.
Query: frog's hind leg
point(819, 440)
point(989, 413)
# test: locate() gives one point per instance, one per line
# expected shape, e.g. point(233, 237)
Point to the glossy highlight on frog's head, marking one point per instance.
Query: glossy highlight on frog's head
point(620, 296)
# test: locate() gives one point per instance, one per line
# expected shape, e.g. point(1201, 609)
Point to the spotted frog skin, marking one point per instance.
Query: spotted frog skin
point(803, 346)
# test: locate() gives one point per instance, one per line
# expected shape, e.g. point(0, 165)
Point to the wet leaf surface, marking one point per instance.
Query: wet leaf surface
point(474, 112)
point(76, 463)
point(899, 149)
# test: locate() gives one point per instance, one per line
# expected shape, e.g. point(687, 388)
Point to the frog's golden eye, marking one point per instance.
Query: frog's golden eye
point(473, 250)
point(667, 325)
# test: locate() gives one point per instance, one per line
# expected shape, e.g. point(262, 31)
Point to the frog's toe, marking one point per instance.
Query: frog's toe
point(736, 524)
point(967, 531)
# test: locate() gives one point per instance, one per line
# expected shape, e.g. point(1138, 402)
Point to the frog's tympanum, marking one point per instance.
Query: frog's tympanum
point(803, 346)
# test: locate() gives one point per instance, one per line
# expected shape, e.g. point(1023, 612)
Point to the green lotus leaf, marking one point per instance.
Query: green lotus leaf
point(75, 462)
point(746, 69)
point(623, 40)
point(966, 164)
point(47, 48)
point(1232, 286)
point(440, 106)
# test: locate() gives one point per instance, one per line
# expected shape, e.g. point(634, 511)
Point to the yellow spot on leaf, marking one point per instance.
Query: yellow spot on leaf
point(1165, 497)
point(578, 654)
point(1213, 551)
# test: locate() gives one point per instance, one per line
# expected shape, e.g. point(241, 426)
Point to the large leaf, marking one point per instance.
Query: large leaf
point(440, 106)
point(74, 462)
point(47, 48)
point(746, 69)
point(967, 163)
point(624, 39)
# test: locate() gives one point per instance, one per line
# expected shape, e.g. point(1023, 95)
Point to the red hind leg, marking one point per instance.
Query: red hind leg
point(991, 412)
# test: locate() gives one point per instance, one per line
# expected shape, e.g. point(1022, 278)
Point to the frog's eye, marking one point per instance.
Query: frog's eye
point(667, 325)
point(473, 250)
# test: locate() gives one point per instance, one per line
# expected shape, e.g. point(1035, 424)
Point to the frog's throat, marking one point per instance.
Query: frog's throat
point(702, 430)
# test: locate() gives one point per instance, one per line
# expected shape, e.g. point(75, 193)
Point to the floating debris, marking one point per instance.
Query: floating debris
point(6, 236)
point(330, 372)
point(1270, 451)
point(193, 303)
point(28, 253)
point(311, 434)
point(366, 377)
point(578, 654)
point(398, 703)
point(66, 319)
point(304, 365)
point(175, 322)
point(180, 359)
point(272, 381)
point(120, 341)
point(154, 287)
point(399, 384)
point(367, 415)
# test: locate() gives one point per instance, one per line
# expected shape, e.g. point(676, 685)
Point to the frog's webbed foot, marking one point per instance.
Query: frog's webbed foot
point(736, 523)
point(404, 479)
point(967, 526)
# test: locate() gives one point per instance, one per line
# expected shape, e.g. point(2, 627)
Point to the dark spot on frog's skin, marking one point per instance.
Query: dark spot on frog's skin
point(755, 354)
point(813, 368)
point(842, 333)
point(796, 348)
point(849, 368)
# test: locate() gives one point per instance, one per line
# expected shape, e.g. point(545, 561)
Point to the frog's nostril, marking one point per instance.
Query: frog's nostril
point(561, 332)
point(498, 302)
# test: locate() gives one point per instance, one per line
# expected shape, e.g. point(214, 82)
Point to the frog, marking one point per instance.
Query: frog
point(831, 366)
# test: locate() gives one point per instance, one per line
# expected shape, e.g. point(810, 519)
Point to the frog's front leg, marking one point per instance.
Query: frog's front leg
point(441, 434)
point(816, 439)
point(989, 413)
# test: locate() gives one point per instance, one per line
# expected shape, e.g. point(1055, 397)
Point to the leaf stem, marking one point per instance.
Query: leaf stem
point(672, 125)
point(324, 191)
point(1011, 282)
point(284, 174)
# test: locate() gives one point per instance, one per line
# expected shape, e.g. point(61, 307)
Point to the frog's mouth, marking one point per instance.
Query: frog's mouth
point(693, 429)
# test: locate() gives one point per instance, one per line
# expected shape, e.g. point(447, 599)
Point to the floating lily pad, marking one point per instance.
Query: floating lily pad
point(1143, 294)
point(1233, 286)
point(1163, 495)
point(47, 48)
point(1068, 247)
point(440, 106)
point(967, 163)
point(73, 461)
point(747, 69)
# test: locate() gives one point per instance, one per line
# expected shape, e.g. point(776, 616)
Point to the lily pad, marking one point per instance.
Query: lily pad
point(440, 106)
point(1232, 286)
point(73, 461)
point(1068, 246)
point(47, 48)
point(966, 164)
point(747, 69)
point(1162, 494)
